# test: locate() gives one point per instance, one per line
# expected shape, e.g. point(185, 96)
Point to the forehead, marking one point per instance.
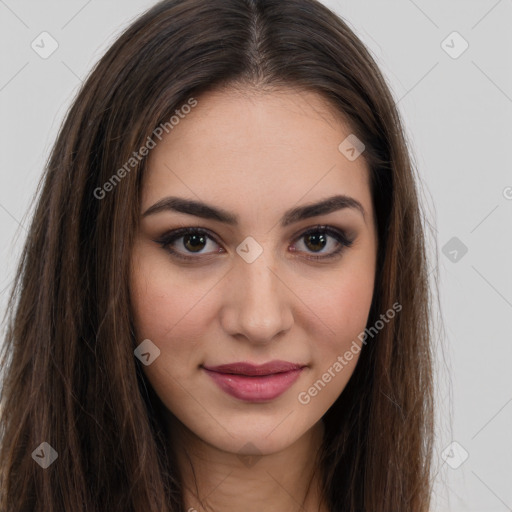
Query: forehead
point(256, 151)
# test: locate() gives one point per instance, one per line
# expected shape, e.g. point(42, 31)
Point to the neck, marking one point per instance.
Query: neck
point(217, 480)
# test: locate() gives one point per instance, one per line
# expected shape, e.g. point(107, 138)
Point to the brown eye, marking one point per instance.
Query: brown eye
point(193, 241)
point(316, 241)
point(318, 238)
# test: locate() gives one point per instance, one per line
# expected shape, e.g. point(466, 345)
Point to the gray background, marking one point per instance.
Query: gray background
point(457, 113)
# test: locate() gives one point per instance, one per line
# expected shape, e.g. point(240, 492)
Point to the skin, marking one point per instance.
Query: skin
point(255, 155)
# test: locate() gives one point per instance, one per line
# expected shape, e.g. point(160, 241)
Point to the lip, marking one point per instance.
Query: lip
point(255, 383)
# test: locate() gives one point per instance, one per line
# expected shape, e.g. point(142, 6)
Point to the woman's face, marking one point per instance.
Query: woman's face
point(247, 288)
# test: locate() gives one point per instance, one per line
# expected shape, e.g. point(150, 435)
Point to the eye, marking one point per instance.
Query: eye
point(196, 240)
point(318, 238)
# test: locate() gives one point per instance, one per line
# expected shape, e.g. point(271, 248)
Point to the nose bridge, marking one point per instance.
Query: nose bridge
point(259, 280)
point(261, 304)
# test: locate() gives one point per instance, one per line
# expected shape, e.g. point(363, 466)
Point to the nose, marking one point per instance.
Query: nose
point(258, 303)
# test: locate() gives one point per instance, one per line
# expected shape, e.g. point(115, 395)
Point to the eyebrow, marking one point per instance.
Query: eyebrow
point(206, 211)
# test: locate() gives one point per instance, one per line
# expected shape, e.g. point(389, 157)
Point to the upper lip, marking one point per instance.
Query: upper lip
point(244, 368)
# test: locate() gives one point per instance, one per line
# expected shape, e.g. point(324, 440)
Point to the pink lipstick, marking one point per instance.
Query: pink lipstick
point(255, 383)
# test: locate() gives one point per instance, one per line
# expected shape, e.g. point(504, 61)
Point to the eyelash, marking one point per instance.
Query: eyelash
point(168, 238)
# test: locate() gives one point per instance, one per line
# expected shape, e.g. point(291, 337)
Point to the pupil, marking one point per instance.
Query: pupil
point(195, 240)
point(318, 239)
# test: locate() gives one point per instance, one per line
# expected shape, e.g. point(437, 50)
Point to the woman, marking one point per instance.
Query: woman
point(223, 300)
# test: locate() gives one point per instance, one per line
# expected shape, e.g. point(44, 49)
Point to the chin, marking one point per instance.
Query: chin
point(253, 435)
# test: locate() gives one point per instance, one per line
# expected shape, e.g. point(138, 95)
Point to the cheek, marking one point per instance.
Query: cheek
point(349, 306)
point(167, 313)
point(344, 300)
point(167, 308)
point(342, 311)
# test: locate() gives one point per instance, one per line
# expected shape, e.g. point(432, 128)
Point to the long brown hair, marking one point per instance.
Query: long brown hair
point(71, 378)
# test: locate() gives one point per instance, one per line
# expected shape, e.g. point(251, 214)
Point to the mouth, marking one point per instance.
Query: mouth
point(255, 383)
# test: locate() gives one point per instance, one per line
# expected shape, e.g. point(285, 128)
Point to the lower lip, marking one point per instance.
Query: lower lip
point(255, 389)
